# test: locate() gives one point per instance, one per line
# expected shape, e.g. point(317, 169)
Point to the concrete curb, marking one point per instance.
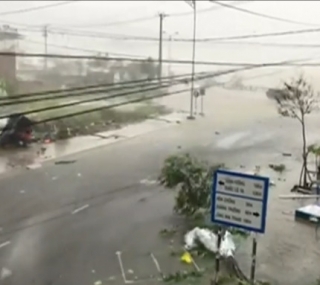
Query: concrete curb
point(108, 138)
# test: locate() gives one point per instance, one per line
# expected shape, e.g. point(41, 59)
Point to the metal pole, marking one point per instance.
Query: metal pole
point(45, 35)
point(253, 259)
point(217, 269)
point(193, 59)
point(201, 105)
point(169, 55)
point(161, 15)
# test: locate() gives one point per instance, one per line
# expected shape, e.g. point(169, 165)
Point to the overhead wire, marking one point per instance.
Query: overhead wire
point(88, 87)
point(209, 75)
point(268, 44)
point(222, 4)
point(31, 9)
point(169, 83)
point(88, 91)
point(100, 35)
point(67, 47)
point(209, 63)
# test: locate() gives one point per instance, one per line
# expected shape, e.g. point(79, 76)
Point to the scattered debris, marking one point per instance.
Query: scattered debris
point(148, 182)
point(93, 271)
point(217, 133)
point(278, 167)
point(111, 278)
point(54, 178)
point(209, 240)
point(79, 174)
point(5, 273)
point(99, 282)
point(286, 154)
point(168, 232)
point(5, 244)
point(65, 162)
point(130, 271)
point(34, 166)
point(180, 276)
point(22, 191)
point(76, 211)
point(186, 258)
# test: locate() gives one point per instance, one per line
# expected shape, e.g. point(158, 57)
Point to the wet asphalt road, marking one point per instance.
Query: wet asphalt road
point(64, 224)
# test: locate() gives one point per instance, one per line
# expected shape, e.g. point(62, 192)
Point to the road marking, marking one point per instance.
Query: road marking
point(123, 274)
point(5, 244)
point(76, 211)
point(156, 263)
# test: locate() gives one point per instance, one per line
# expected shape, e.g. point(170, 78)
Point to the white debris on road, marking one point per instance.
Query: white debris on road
point(5, 244)
point(5, 273)
point(76, 211)
point(209, 240)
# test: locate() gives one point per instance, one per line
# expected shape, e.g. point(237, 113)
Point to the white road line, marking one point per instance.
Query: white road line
point(156, 263)
point(5, 244)
point(76, 211)
point(123, 274)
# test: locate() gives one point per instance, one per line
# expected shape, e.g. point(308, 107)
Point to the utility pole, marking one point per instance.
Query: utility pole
point(161, 16)
point(193, 58)
point(45, 35)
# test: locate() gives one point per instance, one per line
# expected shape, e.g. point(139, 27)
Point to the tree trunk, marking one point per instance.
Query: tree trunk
point(304, 152)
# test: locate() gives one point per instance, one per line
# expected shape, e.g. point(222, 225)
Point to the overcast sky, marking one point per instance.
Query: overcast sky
point(92, 17)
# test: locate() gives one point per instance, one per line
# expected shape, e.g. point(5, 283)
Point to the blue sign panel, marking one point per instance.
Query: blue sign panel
point(240, 200)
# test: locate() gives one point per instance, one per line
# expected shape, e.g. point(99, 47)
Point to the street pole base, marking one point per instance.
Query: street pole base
point(190, 117)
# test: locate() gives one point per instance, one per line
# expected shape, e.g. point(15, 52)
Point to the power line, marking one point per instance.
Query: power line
point(25, 10)
point(211, 63)
point(86, 50)
point(222, 4)
point(117, 95)
point(80, 91)
point(235, 3)
point(293, 45)
point(144, 19)
point(126, 102)
point(117, 23)
point(141, 38)
point(208, 75)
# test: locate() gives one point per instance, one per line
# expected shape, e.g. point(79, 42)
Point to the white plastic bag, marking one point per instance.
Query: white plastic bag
point(209, 241)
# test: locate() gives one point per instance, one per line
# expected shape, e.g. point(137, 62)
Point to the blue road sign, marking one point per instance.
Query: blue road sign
point(240, 200)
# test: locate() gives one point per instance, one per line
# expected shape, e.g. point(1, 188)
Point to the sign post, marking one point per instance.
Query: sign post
point(240, 201)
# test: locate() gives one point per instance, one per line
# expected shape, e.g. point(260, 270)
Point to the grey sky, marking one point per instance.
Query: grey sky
point(93, 16)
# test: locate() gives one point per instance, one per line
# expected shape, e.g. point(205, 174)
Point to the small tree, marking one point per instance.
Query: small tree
point(296, 100)
point(192, 178)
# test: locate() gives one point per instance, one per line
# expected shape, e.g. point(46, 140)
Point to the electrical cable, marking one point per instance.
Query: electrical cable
point(153, 97)
point(181, 40)
point(85, 50)
point(235, 3)
point(291, 45)
point(91, 92)
point(261, 15)
point(25, 10)
point(143, 19)
point(117, 95)
point(212, 63)
point(87, 87)
point(138, 100)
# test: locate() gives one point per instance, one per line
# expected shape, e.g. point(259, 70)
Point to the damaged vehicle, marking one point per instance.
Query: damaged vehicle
point(17, 131)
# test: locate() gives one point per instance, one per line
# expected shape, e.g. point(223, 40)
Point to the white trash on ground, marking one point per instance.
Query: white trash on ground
point(209, 241)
